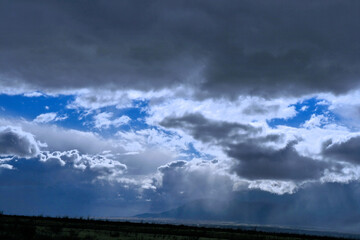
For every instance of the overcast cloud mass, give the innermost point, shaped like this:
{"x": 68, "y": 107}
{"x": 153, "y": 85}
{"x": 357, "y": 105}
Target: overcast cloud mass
{"x": 119, "y": 108}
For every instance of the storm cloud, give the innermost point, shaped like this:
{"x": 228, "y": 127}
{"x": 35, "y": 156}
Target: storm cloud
{"x": 207, "y": 130}
{"x": 249, "y": 147}
{"x": 347, "y": 151}
{"x": 218, "y": 48}
{"x": 259, "y": 162}
{"x": 14, "y": 141}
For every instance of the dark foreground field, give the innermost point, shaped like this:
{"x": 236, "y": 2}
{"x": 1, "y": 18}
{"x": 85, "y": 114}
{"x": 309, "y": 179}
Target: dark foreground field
{"x": 21, "y": 227}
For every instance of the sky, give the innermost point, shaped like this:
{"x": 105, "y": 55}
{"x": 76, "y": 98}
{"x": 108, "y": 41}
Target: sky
{"x": 118, "y": 108}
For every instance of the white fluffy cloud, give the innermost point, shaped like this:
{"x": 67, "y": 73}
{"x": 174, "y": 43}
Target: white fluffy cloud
{"x": 315, "y": 121}
{"x": 102, "y": 164}
{"x": 278, "y": 187}
{"x": 49, "y": 117}
{"x": 95, "y": 99}
{"x": 243, "y": 109}
{"x": 106, "y": 120}
{"x": 139, "y": 140}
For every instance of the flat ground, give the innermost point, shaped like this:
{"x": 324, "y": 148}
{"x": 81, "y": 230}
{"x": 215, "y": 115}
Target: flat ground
{"x": 21, "y": 227}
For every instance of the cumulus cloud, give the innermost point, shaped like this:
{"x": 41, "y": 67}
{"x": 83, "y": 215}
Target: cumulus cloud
{"x": 259, "y": 162}
{"x": 19, "y": 144}
{"x": 109, "y": 159}
{"x": 253, "y": 151}
{"x": 64, "y": 139}
{"x": 234, "y": 47}
{"x": 49, "y": 117}
{"x": 207, "y": 130}
{"x": 249, "y": 151}
{"x": 105, "y": 167}
{"x": 277, "y": 187}
{"x": 15, "y": 141}
{"x": 277, "y": 160}
{"x": 177, "y": 180}
{"x": 242, "y": 109}
{"x": 345, "y": 106}
{"x": 103, "y": 120}
{"x": 316, "y": 121}
{"x": 143, "y": 151}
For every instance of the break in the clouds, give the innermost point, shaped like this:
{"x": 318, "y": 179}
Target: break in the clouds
{"x": 112, "y": 108}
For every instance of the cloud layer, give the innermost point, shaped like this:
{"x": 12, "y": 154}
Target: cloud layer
{"x": 219, "y": 48}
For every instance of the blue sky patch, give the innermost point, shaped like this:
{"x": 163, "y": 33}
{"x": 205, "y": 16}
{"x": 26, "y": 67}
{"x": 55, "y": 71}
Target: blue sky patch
{"x": 30, "y": 107}
{"x": 305, "y": 109}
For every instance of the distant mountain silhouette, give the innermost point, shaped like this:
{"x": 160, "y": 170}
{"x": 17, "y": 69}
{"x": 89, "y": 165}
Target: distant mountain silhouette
{"x": 205, "y": 209}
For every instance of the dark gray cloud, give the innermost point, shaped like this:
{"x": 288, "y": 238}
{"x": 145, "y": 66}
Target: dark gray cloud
{"x": 246, "y": 144}
{"x": 347, "y": 151}
{"x": 255, "y": 109}
{"x": 258, "y": 162}
{"x": 209, "y": 131}
{"x": 14, "y": 141}
{"x": 253, "y": 47}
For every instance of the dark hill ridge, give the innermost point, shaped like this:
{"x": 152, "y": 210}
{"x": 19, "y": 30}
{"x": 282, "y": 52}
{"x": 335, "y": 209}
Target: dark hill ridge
{"x": 41, "y": 228}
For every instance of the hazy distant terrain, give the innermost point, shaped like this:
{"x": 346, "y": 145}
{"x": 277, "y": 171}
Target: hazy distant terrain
{"x": 261, "y": 208}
